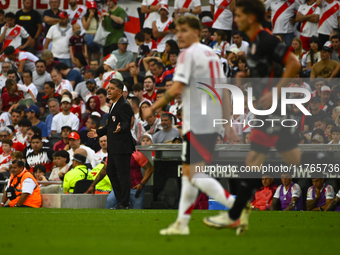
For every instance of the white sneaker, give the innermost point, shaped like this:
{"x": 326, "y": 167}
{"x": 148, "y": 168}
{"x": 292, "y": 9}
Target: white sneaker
{"x": 244, "y": 220}
{"x": 221, "y": 221}
{"x": 175, "y": 229}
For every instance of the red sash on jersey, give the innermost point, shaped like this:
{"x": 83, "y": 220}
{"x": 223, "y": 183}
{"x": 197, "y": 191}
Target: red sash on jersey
{"x": 77, "y": 15}
{"x": 311, "y": 10}
{"x": 224, "y": 5}
{"x": 328, "y": 13}
{"x": 165, "y": 29}
{"x": 187, "y": 3}
{"x": 281, "y": 10}
{"x": 15, "y": 32}
{"x": 154, "y": 3}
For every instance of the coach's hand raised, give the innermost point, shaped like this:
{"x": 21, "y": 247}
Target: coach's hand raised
{"x": 117, "y": 129}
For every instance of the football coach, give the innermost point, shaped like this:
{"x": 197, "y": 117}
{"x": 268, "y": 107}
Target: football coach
{"x": 121, "y": 144}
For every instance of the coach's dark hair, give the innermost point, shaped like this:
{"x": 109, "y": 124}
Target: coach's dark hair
{"x": 19, "y": 162}
{"x": 40, "y": 61}
{"x": 192, "y": 22}
{"x": 118, "y": 83}
{"x": 253, "y": 7}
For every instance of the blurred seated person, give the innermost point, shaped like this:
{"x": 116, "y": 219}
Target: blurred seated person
{"x": 28, "y": 195}
{"x": 319, "y": 195}
{"x": 78, "y": 173}
{"x": 102, "y": 153}
{"x": 137, "y": 90}
{"x": 124, "y": 57}
{"x": 65, "y": 132}
{"x": 168, "y": 133}
{"x": 47, "y": 56}
{"x": 134, "y": 77}
{"x": 334, "y": 203}
{"x": 177, "y": 140}
{"x": 264, "y": 195}
{"x": 81, "y": 63}
{"x": 73, "y": 76}
{"x": 54, "y": 109}
{"x": 49, "y": 90}
{"x": 93, "y": 122}
{"x": 60, "y": 159}
{"x": 39, "y": 172}
{"x": 92, "y": 105}
{"x": 24, "y": 124}
{"x": 5, "y": 156}
{"x": 288, "y": 195}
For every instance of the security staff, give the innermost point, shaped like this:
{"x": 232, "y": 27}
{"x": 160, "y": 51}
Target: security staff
{"x": 22, "y": 190}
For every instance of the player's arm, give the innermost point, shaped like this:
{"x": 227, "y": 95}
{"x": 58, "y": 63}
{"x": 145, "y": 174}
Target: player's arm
{"x": 292, "y": 204}
{"x": 332, "y": 204}
{"x": 292, "y": 69}
{"x": 274, "y": 204}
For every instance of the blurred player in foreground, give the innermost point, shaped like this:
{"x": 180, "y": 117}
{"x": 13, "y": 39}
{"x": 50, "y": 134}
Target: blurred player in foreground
{"x": 198, "y": 67}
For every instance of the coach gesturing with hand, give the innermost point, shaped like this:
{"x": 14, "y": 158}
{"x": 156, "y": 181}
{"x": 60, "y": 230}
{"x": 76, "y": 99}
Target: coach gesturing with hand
{"x": 120, "y": 143}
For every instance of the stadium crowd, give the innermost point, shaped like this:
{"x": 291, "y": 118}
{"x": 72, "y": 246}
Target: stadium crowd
{"x": 52, "y": 96}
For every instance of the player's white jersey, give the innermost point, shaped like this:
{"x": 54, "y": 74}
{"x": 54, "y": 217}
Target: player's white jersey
{"x": 151, "y": 17}
{"x": 76, "y": 16}
{"x": 223, "y": 17}
{"x": 64, "y": 84}
{"x": 190, "y": 4}
{"x": 329, "y": 17}
{"x": 282, "y": 11}
{"x": 308, "y": 29}
{"x": 200, "y": 69}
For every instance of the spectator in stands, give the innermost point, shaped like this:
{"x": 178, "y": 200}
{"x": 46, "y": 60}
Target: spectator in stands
{"x": 47, "y": 56}
{"x": 325, "y": 67}
{"x": 297, "y": 46}
{"x": 206, "y": 37}
{"x": 328, "y": 20}
{"x": 222, "y": 20}
{"x": 143, "y": 50}
{"x": 5, "y": 67}
{"x": 40, "y": 76}
{"x": 90, "y": 23}
{"x": 134, "y": 102}
{"x": 77, "y": 43}
{"x": 173, "y": 55}
{"x": 5, "y": 156}
{"x": 94, "y": 64}
{"x": 21, "y": 60}
{"x": 137, "y": 90}
{"x": 109, "y": 65}
{"x": 2, "y": 22}
{"x": 39, "y": 172}
{"x": 151, "y": 8}
{"x": 60, "y": 159}
{"x": 327, "y": 105}
{"x": 71, "y": 75}
{"x": 123, "y": 56}
{"x": 102, "y": 95}
{"x": 232, "y": 57}
{"x": 5, "y": 117}
{"x": 60, "y": 145}
{"x": 239, "y": 43}
{"x": 61, "y": 85}
{"x": 178, "y": 105}
{"x": 264, "y": 196}
{"x": 168, "y": 133}
{"x": 152, "y": 125}
{"x": 316, "y": 112}
{"x": 79, "y": 172}
{"x": 287, "y": 196}
{"x": 51, "y": 16}
{"x": 319, "y": 195}
{"x": 330, "y": 124}
{"x": 27, "y": 79}
{"x": 148, "y": 41}
{"x": 76, "y": 12}
{"x": 157, "y": 71}
{"x": 92, "y": 105}
{"x": 81, "y": 87}
{"x": 15, "y": 118}
{"x": 102, "y": 153}
{"x": 15, "y": 93}
{"x": 160, "y": 28}
{"x": 92, "y": 87}
{"x": 54, "y": 109}
{"x": 150, "y": 89}
{"x": 29, "y": 194}
{"x": 334, "y": 203}
{"x": 93, "y": 122}
{"x": 113, "y": 22}
{"x": 336, "y": 115}
{"x": 313, "y": 55}
{"x": 24, "y": 124}
{"x": 30, "y": 20}
{"x": 49, "y": 88}
{"x": 221, "y": 41}
{"x": 81, "y": 63}
{"x": 60, "y": 34}
{"x": 74, "y": 144}
{"x": 33, "y": 114}
{"x": 39, "y": 155}
{"x": 183, "y": 7}
{"x": 168, "y": 83}
{"x": 320, "y": 123}
{"x": 170, "y": 45}
{"x": 146, "y": 139}
{"x": 10, "y": 28}
{"x": 335, "y": 42}
{"x": 335, "y": 134}
{"x": 65, "y": 117}
{"x": 308, "y": 14}
{"x": 134, "y": 77}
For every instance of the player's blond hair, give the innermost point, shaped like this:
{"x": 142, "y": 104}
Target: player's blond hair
{"x": 192, "y": 22}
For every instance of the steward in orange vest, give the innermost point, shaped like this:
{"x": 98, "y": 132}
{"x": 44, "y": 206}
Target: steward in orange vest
{"x": 22, "y": 189}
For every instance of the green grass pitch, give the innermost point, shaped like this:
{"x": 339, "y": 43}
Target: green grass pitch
{"x": 99, "y": 231}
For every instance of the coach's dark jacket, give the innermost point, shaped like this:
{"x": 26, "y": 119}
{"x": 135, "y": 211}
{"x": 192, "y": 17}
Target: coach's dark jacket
{"x": 122, "y": 142}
